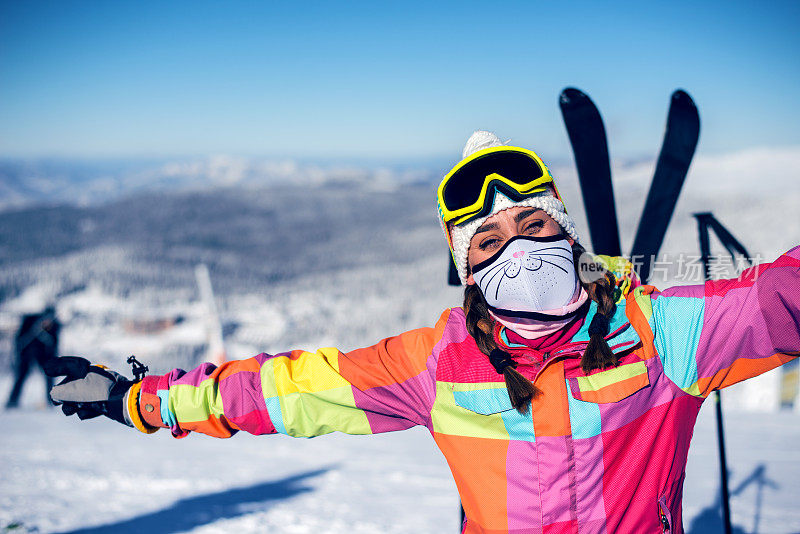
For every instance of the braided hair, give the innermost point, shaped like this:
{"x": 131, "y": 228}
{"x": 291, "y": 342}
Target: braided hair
{"x": 597, "y": 355}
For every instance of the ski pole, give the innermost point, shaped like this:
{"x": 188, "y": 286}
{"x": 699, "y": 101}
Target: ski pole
{"x": 723, "y": 465}
{"x": 706, "y": 222}
{"x": 703, "y": 220}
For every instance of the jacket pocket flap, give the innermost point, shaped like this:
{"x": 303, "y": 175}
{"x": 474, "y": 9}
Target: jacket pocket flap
{"x": 485, "y": 399}
{"x": 611, "y": 385}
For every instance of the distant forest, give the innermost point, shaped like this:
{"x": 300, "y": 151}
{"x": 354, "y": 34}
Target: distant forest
{"x": 246, "y": 236}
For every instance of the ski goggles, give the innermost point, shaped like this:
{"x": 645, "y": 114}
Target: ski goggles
{"x": 467, "y": 192}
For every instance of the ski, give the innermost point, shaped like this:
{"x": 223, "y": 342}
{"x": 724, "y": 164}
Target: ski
{"x": 452, "y": 272}
{"x": 587, "y": 135}
{"x": 680, "y": 141}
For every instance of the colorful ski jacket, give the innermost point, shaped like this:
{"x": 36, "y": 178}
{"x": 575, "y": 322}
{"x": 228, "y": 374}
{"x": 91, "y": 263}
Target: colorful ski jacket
{"x": 603, "y": 451}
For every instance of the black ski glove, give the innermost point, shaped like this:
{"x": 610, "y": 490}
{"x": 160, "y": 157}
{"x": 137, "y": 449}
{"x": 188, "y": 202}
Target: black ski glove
{"x": 88, "y": 390}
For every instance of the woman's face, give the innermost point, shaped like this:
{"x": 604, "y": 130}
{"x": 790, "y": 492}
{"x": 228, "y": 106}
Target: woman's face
{"x": 502, "y": 226}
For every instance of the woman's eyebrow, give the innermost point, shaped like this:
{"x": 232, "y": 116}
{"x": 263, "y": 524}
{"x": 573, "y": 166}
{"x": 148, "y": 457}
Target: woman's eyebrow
{"x": 524, "y": 214}
{"x": 486, "y": 227}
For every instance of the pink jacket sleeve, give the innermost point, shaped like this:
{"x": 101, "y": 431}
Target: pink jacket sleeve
{"x": 388, "y": 386}
{"x": 713, "y": 335}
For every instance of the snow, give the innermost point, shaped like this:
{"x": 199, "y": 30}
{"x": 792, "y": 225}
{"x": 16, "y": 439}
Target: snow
{"x": 764, "y": 472}
{"x": 371, "y": 484}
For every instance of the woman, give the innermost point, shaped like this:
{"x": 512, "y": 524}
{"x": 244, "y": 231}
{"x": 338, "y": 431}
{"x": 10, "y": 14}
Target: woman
{"x": 561, "y": 402}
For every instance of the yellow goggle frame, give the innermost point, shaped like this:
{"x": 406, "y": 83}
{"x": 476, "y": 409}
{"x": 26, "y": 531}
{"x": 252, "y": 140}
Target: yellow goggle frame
{"x": 490, "y": 183}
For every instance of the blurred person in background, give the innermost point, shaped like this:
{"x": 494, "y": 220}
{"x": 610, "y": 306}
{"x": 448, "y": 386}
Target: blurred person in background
{"x": 562, "y": 393}
{"x": 36, "y": 342}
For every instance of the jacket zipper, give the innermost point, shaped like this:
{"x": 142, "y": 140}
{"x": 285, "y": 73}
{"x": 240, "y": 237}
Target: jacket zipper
{"x": 664, "y": 523}
{"x": 664, "y": 515}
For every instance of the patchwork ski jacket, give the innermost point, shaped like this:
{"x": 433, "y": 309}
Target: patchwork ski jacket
{"x": 603, "y": 451}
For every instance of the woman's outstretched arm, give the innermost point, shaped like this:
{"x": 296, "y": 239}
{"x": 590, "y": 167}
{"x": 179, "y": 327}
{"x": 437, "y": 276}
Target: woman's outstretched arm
{"x": 388, "y": 386}
{"x": 713, "y": 335}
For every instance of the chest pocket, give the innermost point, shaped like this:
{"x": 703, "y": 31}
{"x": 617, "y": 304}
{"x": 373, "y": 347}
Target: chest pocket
{"x": 489, "y": 413}
{"x": 481, "y": 399}
{"x": 611, "y": 385}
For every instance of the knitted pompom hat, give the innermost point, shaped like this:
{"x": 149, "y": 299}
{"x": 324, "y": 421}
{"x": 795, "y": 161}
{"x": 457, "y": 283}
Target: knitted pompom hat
{"x": 459, "y": 236}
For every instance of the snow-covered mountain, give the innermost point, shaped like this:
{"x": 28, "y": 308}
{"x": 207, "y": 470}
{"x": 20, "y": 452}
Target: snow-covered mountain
{"x": 85, "y": 182}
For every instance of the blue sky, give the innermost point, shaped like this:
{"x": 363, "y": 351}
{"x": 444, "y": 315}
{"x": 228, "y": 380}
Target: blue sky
{"x": 385, "y": 80}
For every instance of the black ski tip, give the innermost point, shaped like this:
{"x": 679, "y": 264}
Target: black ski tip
{"x": 681, "y": 97}
{"x": 571, "y": 96}
{"x": 682, "y": 104}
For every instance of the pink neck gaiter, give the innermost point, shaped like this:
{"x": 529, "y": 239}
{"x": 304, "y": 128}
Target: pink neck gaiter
{"x": 534, "y": 328}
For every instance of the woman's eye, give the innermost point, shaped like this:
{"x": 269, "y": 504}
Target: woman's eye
{"x": 489, "y": 243}
{"x": 533, "y": 227}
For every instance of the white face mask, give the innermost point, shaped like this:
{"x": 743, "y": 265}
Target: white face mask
{"x": 527, "y": 276}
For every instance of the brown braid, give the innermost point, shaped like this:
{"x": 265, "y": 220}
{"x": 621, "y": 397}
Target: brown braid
{"x": 480, "y": 326}
{"x": 597, "y": 355}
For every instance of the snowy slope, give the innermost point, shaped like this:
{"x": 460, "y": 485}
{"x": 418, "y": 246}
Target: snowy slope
{"x": 105, "y": 476}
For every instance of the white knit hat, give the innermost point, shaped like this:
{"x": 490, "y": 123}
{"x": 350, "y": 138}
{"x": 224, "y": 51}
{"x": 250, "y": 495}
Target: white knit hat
{"x": 547, "y": 201}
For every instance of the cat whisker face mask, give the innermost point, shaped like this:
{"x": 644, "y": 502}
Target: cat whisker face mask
{"x": 528, "y": 276}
